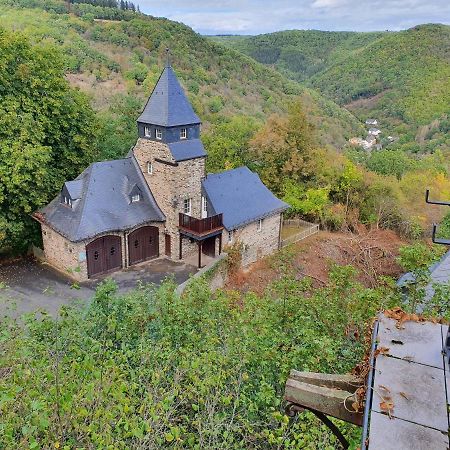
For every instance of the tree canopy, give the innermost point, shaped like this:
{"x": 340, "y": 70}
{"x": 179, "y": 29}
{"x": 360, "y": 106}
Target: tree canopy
{"x": 46, "y": 134}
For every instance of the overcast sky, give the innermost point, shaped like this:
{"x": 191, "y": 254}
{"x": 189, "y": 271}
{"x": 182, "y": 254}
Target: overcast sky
{"x": 262, "y": 16}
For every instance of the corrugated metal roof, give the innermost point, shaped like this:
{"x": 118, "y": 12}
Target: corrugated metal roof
{"x": 241, "y": 196}
{"x": 168, "y": 105}
{"x": 187, "y": 149}
{"x": 104, "y": 204}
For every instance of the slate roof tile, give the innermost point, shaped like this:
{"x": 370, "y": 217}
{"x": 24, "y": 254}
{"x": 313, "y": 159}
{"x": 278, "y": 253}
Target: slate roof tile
{"x": 168, "y": 105}
{"x": 241, "y": 196}
{"x": 104, "y": 204}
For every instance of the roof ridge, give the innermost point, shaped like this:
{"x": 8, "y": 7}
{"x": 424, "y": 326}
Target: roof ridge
{"x": 83, "y": 197}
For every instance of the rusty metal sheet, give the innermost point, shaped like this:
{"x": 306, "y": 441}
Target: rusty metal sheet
{"x": 420, "y": 342}
{"x": 418, "y": 391}
{"x": 397, "y": 434}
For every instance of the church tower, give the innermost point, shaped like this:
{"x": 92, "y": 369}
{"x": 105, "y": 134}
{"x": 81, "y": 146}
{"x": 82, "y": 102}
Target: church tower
{"x": 171, "y": 155}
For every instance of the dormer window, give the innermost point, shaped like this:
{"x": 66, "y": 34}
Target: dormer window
{"x": 158, "y": 133}
{"x": 147, "y": 132}
{"x": 150, "y": 168}
{"x": 67, "y": 200}
{"x": 135, "y": 194}
{"x": 183, "y": 133}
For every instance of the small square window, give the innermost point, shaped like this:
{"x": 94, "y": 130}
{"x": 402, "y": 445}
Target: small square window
{"x": 187, "y": 206}
{"x": 147, "y": 132}
{"x": 183, "y": 133}
{"x": 135, "y": 198}
{"x": 259, "y": 225}
{"x": 230, "y": 236}
{"x": 149, "y": 168}
{"x": 158, "y": 133}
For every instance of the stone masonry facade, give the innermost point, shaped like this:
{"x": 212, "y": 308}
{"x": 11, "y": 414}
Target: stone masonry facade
{"x": 70, "y": 257}
{"x": 256, "y": 244}
{"x": 170, "y": 184}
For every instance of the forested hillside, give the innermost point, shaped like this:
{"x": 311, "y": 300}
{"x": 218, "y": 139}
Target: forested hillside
{"x": 400, "y": 78}
{"x": 300, "y": 54}
{"x": 117, "y": 63}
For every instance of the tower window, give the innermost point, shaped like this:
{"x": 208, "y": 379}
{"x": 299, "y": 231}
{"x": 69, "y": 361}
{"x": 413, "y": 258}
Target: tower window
{"x": 147, "y": 132}
{"x": 135, "y": 198}
{"x": 158, "y": 133}
{"x": 183, "y": 133}
{"x": 149, "y": 168}
{"x": 187, "y": 206}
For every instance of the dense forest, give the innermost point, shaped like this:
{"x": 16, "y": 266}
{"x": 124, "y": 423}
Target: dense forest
{"x": 400, "y": 78}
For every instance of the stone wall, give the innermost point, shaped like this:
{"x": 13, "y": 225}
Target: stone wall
{"x": 170, "y": 185}
{"x": 257, "y": 243}
{"x": 66, "y": 256}
{"x": 70, "y": 257}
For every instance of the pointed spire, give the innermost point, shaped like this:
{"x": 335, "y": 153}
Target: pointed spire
{"x": 168, "y": 105}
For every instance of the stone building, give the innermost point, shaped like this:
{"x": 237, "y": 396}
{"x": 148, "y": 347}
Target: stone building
{"x": 158, "y": 200}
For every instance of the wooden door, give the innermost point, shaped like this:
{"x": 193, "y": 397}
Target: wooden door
{"x": 168, "y": 245}
{"x": 209, "y": 247}
{"x": 143, "y": 244}
{"x": 104, "y": 255}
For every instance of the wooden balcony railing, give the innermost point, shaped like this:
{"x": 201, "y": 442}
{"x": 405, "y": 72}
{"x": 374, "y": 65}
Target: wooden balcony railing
{"x": 200, "y": 226}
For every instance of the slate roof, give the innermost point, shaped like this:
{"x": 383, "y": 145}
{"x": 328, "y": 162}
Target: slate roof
{"x": 187, "y": 149}
{"x": 168, "y": 105}
{"x": 241, "y": 196}
{"x": 104, "y": 202}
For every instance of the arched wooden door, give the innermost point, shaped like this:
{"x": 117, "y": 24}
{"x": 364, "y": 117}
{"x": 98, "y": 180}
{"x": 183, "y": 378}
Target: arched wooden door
{"x": 104, "y": 255}
{"x": 143, "y": 244}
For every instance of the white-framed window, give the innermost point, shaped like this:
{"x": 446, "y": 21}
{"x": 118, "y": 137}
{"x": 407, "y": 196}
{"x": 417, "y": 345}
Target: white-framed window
{"x": 147, "y": 132}
{"x": 259, "y": 225}
{"x": 68, "y": 201}
{"x": 135, "y": 198}
{"x": 230, "y": 236}
{"x": 187, "y": 206}
{"x": 183, "y": 133}
{"x": 158, "y": 133}
{"x": 204, "y": 207}
{"x": 149, "y": 168}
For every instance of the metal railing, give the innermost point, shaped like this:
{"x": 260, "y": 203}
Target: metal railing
{"x": 309, "y": 230}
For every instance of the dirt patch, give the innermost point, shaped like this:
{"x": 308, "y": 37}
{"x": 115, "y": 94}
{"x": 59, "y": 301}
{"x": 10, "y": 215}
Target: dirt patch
{"x": 373, "y": 253}
{"x": 366, "y": 103}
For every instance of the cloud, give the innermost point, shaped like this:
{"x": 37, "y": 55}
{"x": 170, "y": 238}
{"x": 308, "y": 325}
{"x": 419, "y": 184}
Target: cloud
{"x": 263, "y": 16}
{"x": 327, "y": 3}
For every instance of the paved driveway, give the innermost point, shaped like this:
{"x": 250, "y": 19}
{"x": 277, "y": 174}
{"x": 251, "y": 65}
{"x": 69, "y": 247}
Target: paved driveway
{"x": 28, "y": 285}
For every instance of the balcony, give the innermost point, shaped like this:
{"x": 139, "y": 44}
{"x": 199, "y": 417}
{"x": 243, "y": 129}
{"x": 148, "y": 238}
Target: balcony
{"x": 200, "y": 228}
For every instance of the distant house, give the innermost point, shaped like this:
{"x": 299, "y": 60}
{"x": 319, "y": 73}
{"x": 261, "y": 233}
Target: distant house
{"x": 371, "y": 122}
{"x": 390, "y": 138}
{"x": 355, "y": 141}
{"x": 374, "y": 131}
{"x": 158, "y": 200}
{"x": 371, "y": 139}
